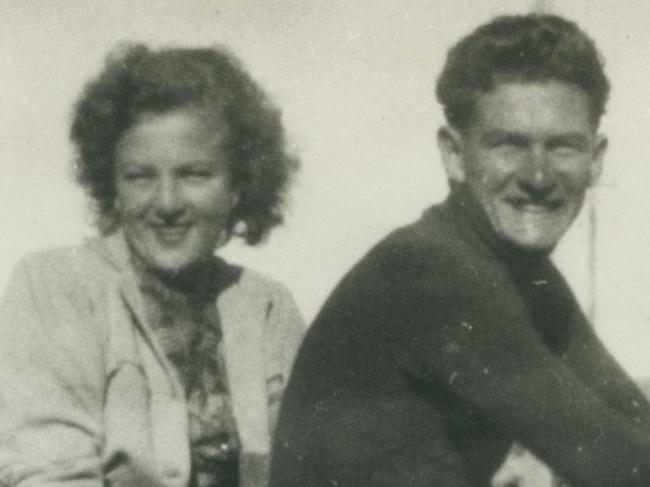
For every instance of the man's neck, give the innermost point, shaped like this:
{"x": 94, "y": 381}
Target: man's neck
{"x": 471, "y": 218}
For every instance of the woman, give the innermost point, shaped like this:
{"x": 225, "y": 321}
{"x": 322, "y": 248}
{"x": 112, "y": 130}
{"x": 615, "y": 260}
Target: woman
{"x": 140, "y": 358}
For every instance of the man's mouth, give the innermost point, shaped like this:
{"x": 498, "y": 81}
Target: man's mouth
{"x": 534, "y": 206}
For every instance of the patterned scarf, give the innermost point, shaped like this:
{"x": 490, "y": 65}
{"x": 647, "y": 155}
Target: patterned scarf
{"x": 185, "y": 320}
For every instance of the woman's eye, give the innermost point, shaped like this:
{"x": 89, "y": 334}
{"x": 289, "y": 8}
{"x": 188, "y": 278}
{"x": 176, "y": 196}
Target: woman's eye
{"x": 198, "y": 174}
{"x": 137, "y": 176}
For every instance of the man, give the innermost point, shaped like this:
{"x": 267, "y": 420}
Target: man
{"x": 456, "y": 336}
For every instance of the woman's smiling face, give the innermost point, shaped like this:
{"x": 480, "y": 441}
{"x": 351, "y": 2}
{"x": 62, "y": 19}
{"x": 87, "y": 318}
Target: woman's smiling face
{"x": 174, "y": 196}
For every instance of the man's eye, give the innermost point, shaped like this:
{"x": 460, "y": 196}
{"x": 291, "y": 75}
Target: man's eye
{"x": 510, "y": 143}
{"x": 565, "y": 150}
{"x": 507, "y": 143}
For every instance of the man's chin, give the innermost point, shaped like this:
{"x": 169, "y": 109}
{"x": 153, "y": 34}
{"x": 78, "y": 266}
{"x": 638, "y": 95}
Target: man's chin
{"x": 538, "y": 233}
{"x": 538, "y": 244}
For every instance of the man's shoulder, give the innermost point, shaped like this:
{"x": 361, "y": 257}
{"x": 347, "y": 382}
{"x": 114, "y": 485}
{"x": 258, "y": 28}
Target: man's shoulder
{"x": 431, "y": 254}
{"x": 433, "y": 236}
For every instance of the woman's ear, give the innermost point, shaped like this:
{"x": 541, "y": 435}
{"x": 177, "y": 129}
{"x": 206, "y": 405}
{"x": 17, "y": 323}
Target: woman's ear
{"x": 450, "y": 143}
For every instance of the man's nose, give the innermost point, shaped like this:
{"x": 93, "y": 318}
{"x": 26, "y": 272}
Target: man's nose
{"x": 537, "y": 176}
{"x": 168, "y": 200}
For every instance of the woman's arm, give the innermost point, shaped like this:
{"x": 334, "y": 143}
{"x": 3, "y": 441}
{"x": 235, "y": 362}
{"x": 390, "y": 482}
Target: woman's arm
{"x": 284, "y": 333}
{"x": 51, "y": 378}
{"x": 286, "y": 329}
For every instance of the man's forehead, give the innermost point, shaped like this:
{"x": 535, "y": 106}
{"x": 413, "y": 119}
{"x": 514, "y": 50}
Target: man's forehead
{"x": 521, "y": 106}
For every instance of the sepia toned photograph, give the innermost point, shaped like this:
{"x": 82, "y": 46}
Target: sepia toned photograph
{"x": 324, "y": 243}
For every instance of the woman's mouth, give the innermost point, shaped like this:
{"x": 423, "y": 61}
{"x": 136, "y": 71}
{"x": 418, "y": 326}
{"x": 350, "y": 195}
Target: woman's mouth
{"x": 171, "y": 234}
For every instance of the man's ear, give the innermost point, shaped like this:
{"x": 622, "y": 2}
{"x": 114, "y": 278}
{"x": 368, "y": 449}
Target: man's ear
{"x": 597, "y": 159}
{"x": 450, "y": 143}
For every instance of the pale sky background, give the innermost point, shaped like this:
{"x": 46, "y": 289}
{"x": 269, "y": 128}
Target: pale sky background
{"x": 355, "y": 82}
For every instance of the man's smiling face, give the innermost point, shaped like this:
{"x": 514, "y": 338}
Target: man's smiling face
{"x": 528, "y": 158}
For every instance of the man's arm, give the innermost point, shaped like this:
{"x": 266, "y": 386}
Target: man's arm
{"x": 471, "y": 333}
{"x": 595, "y": 366}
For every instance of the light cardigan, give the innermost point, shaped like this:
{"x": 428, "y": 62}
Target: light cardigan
{"x": 88, "y": 397}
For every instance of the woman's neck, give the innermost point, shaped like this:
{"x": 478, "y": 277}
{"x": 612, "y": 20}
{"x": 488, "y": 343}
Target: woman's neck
{"x": 200, "y": 280}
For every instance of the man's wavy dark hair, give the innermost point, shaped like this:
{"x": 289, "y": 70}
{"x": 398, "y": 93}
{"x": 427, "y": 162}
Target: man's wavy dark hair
{"x": 136, "y": 80}
{"x": 533, "y": 47}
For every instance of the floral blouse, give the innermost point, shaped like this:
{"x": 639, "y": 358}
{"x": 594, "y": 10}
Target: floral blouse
{"x": 185, "y": 320}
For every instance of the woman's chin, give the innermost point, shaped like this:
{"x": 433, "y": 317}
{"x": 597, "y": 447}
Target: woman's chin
{"x": 177, "y": 267}
{"x": 173, "y": 262}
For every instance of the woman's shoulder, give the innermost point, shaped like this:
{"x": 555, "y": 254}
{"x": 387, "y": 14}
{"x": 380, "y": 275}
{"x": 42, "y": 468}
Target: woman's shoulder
{"x": 253, "y": 284}
{"x": 64, "y": 274}
{"x": 254, "y": 293}
{"x": 55, "y": 289}
{"x": 68, "y": 263}
{"x": 259, "y": 303}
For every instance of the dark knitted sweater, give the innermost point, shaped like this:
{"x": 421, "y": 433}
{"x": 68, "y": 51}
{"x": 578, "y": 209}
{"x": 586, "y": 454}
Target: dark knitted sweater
{"x": 437, "y": 351}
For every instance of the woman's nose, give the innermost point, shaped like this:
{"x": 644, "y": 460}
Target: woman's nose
{"x": 168, "y": 201}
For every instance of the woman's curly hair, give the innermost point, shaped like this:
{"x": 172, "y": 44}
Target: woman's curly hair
{"x": 137, "y": 79}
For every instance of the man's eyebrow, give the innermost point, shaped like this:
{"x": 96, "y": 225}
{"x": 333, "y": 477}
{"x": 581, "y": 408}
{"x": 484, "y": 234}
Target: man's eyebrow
{"x": 514, "y": 135}
{"x": 500, "y": 134}
{"x": 574, "y": 139}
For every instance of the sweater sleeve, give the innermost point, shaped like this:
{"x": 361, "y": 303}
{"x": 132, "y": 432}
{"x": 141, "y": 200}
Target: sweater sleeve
{"x": 468, "y": 331}
{"x": 50, "y": 384}
{"x": 591, "y": 361}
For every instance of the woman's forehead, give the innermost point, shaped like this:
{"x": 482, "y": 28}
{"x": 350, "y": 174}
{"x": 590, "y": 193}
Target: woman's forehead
{"x": 183, "y": 134}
